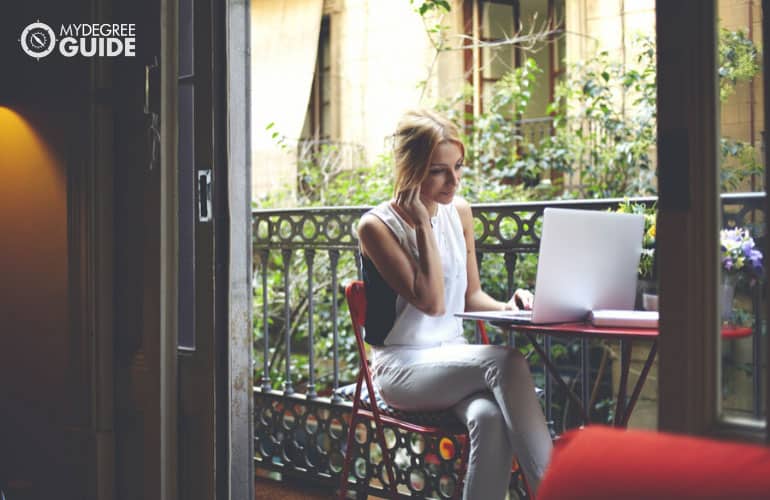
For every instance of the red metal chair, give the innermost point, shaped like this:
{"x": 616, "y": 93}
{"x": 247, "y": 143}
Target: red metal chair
{"x": 365, "y": 412}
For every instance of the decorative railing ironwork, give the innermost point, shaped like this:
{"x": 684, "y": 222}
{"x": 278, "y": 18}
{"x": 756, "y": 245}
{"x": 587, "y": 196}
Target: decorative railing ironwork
{"x": 303, "y": 258}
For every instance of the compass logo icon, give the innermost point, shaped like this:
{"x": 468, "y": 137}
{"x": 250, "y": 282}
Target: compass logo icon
{"x": 38, "y": 40}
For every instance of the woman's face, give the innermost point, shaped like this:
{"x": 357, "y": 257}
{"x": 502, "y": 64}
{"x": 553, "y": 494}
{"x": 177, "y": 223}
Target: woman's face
{"x": 444, "y": 172}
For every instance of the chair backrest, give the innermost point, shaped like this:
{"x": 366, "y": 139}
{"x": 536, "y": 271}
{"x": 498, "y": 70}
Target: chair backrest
{"x": 355, "y": 294}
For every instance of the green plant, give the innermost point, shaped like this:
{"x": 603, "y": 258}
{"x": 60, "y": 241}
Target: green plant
{"x": 603, "y": 127}
{"x": 605, "y": 121}
{"x": 423, "y": 7}
{"x": 738, "y": 60}
{"x": 647, "y": 259}
{"x": 507, "y": 163}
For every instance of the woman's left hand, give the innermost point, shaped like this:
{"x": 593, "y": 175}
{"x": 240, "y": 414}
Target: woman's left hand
{"x": 522, "y": 299}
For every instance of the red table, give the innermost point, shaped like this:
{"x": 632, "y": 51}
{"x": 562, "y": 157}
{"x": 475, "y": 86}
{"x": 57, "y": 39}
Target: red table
{"x": 584, "y": 330}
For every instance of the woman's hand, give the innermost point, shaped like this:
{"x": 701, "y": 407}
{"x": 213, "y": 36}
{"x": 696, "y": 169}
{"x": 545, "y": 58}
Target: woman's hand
{"x": 522, "y": 299}
{"x": 410, "y": 204}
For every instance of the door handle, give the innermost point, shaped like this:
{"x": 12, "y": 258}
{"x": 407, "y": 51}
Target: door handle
{"x": 204, "y": 195}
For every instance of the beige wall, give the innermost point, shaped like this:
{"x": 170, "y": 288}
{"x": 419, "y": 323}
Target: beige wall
{"x": 596, "y": 25}
{"x": 381, "y": 53}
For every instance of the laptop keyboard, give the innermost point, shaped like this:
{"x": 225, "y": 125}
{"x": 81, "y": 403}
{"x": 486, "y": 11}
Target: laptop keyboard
{"x": 517, "y": 314}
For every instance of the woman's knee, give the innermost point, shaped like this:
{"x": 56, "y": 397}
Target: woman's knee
{"x": 484, "y": 415}
{"x": 508, "y": 363}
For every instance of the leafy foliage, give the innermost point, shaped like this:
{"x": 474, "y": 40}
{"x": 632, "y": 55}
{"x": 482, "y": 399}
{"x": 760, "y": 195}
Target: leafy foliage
{"x": 605, "y": 120}
{"x": 647, "y": 259}
{"x": 738, "y": 60}
{"x": 424, "y": 7}
{"x": 603, "y": 129}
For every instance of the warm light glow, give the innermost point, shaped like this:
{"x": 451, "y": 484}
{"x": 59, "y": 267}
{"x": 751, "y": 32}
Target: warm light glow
{"x": 20, "y": 143}
{"x": 29, "y": 169}
{"x": 34, "y": 338}
{"x": 33, "y": 224}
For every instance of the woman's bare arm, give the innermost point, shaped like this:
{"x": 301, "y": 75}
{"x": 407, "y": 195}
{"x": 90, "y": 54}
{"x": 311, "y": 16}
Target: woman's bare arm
{"x": 420, "y": 282}
{"x": 475, "y": 298}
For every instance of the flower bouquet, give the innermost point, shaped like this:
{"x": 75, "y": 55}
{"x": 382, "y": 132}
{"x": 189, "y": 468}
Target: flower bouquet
{"x": 741, "y": 262}
{"x": 739, "y": 255}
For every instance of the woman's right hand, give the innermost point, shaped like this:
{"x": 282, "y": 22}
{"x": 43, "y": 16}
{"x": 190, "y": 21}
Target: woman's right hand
{"x": 409, "y": 203}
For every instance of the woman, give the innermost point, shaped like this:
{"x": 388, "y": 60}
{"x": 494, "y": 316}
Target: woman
{"x": 419, "y": 269}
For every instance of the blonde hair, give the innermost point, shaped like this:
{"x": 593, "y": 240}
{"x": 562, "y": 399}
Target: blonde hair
{"x": 418, "y": 134}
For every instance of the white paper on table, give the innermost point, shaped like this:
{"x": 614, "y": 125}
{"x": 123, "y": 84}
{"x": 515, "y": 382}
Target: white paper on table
{"x": 633, "y": 319}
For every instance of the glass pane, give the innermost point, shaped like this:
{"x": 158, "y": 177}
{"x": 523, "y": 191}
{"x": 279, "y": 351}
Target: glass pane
{"x": 498, "y": 24}
{"x": 743, "y": 220}
{"x": 498, "y": 21}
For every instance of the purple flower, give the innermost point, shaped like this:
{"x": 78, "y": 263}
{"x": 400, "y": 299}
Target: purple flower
{"x": 748, "y": 247}
{"x": 739, "y": 253}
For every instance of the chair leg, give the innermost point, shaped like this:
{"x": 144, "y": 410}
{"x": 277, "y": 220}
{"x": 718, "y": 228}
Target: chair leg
{"x": 348, "y": 455}
{"x": 526, "y": 487}
{"x": 517, "y": 467}
{"x": 388, "y": 464}
{"x": 346, "y": 466}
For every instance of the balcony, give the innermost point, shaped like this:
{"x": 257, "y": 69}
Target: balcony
{"x": 304, "y": 347}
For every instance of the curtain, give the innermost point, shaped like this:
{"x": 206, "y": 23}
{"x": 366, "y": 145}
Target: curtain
{"x": 284, "y": 46}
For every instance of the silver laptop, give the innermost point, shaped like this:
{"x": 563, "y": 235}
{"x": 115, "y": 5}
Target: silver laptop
{"x": 588, "y": 261}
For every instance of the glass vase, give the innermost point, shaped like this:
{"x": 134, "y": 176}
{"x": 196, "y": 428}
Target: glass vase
{"x": 727, "y": 296}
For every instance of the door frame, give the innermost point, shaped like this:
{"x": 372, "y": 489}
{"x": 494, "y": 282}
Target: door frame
{"x": 239, "y": 345}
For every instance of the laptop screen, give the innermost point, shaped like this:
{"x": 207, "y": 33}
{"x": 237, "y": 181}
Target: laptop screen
{"x": 588, "y": 260}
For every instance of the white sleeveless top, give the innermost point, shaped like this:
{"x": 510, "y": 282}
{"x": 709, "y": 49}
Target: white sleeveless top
{"x": 412, "y": 327}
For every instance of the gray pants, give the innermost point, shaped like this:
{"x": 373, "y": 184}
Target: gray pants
{"x": 490, "y": 389}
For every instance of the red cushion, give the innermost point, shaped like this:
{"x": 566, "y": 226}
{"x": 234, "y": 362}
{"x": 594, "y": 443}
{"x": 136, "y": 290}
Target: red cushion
{"x": 605, "y": 463}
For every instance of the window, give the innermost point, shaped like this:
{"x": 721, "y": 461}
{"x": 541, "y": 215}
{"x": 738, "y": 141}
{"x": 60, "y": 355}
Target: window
{"x": 496, "y": 20}
{"x": 317, "y": 126}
